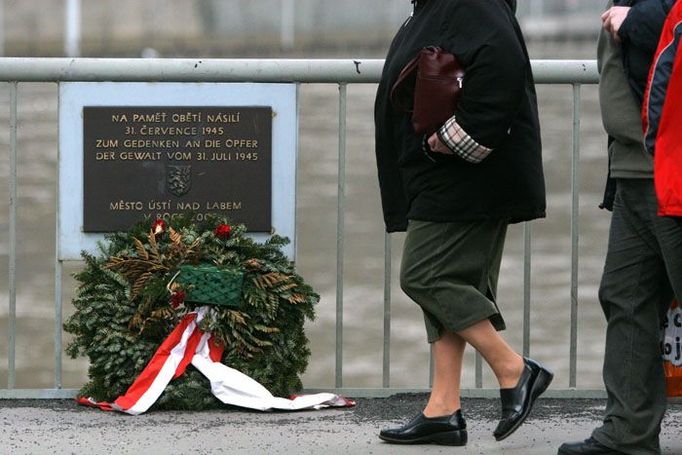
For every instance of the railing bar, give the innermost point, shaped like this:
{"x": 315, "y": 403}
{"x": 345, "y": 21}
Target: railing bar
{"x": 333, "y": 71}
{"x": 479, "y": 370}
{"x": 11, "y": 355}
{"x": 527, "y": 231}
{"x": 340, "y": 233}
{"x": 387, "y": 311}
{"x": 575, "y": 217}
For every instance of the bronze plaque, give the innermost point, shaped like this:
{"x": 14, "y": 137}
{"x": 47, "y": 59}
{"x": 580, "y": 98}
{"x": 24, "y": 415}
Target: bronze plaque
{"x": 156, "y": 162}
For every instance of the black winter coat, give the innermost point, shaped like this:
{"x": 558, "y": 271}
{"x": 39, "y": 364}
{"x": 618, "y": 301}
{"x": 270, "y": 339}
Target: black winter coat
{"x": 640, "y": 33}
{"x": 498, "y": 109}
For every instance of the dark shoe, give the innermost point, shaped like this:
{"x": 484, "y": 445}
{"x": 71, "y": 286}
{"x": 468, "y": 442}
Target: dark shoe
{"x": 446, "y": 430}
{"x": 587, "y": 447}
{"x": 518, "y": 401}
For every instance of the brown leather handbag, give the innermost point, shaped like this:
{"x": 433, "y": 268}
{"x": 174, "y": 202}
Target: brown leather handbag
{"x": 429, "y": 86}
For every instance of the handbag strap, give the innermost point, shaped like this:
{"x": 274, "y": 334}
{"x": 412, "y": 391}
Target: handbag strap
{"x": 400, "y": 99}
{"x": 402, "y": 92}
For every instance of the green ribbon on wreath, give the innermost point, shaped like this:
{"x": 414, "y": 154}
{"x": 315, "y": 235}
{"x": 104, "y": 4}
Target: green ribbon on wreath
{"x": 208, "y": 284}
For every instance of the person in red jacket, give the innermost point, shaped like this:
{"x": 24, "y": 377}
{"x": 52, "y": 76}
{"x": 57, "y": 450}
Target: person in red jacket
{"x": 662, "y": 114}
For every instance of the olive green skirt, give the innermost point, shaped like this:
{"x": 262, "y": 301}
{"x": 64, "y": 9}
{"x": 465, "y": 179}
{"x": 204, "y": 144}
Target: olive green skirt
{"x": 450, "y": 270}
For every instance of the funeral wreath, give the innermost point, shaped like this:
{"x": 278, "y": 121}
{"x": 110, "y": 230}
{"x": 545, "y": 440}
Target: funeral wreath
{"x": 144, "y": 281}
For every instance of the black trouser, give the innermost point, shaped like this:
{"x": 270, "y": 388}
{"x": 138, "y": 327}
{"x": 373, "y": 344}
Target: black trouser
{"x": 643, "y": 268}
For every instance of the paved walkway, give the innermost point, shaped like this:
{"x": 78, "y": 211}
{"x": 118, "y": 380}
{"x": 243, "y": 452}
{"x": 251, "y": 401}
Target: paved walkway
{"x": 61, "y": 427}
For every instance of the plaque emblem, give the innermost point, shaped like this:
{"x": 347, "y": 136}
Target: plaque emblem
{"x": 179, "y": 179}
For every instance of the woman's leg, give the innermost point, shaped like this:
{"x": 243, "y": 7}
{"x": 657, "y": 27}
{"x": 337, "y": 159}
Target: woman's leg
{"x": 441, "y": 422}
{"x": 448, "y": 354}
{"x": 504, "y": 361}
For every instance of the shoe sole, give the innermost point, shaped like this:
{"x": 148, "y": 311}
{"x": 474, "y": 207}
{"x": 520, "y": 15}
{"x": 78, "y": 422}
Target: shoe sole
{"x": 445, "y": 438}
{"x": 543, "y": 381}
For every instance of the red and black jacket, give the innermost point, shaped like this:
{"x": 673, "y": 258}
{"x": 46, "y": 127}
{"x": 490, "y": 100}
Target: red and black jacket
{"x": 662, "y": 116}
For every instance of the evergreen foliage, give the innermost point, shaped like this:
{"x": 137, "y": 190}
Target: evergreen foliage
{"x": 123, "y": 312}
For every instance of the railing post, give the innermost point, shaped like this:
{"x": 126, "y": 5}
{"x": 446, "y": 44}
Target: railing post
{"x": 575, "y": 233}
{"x": 11, "y": 354}
{"x": 386, "y": 380}
{"x": 341, "y": 206}
{"x": 527, "y": 238}
{"x": 58, "y": 324}
{"x": 478, "y": 366}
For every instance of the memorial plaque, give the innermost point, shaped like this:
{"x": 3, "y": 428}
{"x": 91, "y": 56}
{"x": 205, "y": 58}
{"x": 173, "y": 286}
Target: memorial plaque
{"x": 156, "y": 162}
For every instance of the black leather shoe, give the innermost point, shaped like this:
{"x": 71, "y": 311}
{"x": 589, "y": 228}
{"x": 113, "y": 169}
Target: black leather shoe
{"x": 518, "y": 401}
{"x": 446, "y": 430}
{"x": 587, "y": 447}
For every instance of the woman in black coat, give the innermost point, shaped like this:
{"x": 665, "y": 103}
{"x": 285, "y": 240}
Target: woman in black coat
{"x": 455, "y": 197}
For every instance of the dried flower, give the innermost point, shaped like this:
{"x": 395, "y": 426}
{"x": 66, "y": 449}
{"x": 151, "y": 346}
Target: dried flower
{"x": 177, "y": 299}
{"x": 158, "y": 227}
{"x": 223, "y": 231}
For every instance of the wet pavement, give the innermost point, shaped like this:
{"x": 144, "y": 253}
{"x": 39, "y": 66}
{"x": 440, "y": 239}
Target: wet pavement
{"x": 62, "y": 427}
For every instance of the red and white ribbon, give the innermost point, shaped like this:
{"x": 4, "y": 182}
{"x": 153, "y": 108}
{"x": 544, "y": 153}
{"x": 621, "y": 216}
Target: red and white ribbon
{"x": 188, "y": 344}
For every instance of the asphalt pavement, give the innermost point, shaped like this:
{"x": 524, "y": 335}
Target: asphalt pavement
{"x": 62, "y": 427}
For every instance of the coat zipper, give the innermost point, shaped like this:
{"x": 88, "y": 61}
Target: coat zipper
{"x": 415, "y": 5}
{"x": 410, "y": 17}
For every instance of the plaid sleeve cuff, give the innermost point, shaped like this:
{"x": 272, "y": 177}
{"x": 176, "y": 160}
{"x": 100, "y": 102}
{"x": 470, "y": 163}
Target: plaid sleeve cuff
{"x": 460, "y": 143}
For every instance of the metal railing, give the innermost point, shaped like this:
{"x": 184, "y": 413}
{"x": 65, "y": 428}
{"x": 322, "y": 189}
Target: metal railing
{"x": 341, "y": 72}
